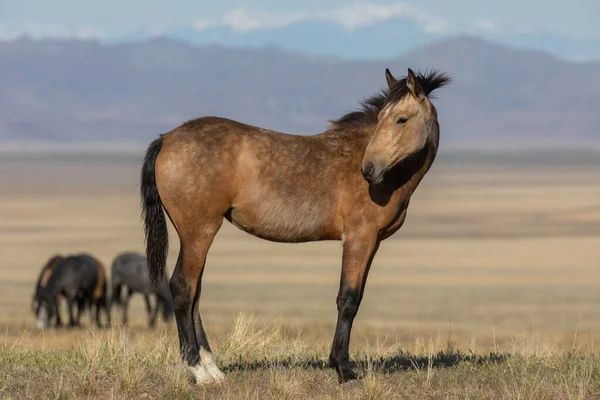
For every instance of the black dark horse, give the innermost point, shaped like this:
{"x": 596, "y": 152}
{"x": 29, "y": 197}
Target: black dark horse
{"x": 42, "y": 281}
{"x": 129, "y": 272}
{"x": 81, "y": 280}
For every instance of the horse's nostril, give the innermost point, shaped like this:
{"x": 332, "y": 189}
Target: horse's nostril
{"x": 367, "y": 169}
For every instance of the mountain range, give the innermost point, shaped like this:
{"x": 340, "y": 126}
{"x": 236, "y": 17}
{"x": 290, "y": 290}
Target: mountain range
{"x": 368, "y": 42}
{"x": 85, "y": 91}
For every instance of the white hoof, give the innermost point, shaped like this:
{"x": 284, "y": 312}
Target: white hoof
{"x": 201, "y": 375}
{"x": 208, "y": 360}
{"x": 216, "y": 373}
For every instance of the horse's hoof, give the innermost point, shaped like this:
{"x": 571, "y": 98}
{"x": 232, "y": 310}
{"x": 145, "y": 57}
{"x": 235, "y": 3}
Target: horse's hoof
{"x": 217, "y": 375}
{"x": 201, "y": 375}
{"x": 345, "y": 374}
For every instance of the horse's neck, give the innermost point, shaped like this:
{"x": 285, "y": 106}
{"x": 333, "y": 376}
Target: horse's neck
{"x": 424, "y": 163}
{"x": 50, "y": 291}
{"x": 404, "y": 181}
{"x": 54, "y": 285}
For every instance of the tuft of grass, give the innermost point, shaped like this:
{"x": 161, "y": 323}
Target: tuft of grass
{"x": 284, "y": 384}
{"x": 178, "y": 385}
{"x": 374, "y": 387}
{"x": 251, "y": 338}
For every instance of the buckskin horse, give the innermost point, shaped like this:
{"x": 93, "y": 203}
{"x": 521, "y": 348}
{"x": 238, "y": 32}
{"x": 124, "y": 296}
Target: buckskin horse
{"x": 352, "y": 183}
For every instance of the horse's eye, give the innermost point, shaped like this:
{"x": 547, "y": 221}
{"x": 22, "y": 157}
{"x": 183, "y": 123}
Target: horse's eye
{"x": 401, "y": 120}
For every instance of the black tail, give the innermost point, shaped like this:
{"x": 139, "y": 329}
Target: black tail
{"x": 155, "y": 225}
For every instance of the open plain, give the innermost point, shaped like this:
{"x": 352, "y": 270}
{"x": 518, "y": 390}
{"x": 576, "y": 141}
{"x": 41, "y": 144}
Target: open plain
{"x": 490, "y": 290}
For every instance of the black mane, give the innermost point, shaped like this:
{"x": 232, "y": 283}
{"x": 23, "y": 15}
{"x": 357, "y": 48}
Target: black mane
{"x": 370, "y": 107}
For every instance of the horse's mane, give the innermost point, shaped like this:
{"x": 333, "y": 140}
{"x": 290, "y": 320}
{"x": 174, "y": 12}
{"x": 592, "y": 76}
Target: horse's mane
{"x": 371, "y": 106}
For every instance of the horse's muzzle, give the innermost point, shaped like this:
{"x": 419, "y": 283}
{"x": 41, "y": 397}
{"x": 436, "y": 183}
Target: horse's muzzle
{"x": 371, "y": 173}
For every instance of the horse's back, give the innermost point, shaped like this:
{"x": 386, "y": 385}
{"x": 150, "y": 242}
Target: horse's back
{"x": 130, "y": 269}
{"x": 78, "y": 272}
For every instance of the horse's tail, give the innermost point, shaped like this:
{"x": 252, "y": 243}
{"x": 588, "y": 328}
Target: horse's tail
{"x": 100, "y": 289}
{"x": 155, "y": 225}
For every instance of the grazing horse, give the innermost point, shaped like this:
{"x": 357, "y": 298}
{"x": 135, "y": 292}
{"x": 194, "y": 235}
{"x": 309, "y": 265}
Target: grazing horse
{"x": 42, "y": 281}
{"x": 130, "y": 270}
{"x": 352, "y": 183}
{"x": 81, "y": 280}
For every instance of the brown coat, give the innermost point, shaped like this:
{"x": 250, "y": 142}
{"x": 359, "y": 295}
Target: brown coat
{"x": 352, "y": 182}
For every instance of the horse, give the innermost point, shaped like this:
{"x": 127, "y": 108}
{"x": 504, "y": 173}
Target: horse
{"x": 42, "y": 281}
{"x": 81, "y": 280}
{"x": 130, "y": 270}
{"x": 352, "y": 182}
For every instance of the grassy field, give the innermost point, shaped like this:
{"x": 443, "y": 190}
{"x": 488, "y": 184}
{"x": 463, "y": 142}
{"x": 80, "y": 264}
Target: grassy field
{"x": 491, "y": 290}
{"x": 273, "y": 361}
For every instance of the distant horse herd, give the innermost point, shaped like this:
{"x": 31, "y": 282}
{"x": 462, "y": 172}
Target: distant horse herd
{"x": 81, "y": 281}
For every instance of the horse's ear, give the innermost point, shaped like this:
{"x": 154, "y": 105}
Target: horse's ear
{"x": 413, "y": 85}
{"x": 391, "y": 81}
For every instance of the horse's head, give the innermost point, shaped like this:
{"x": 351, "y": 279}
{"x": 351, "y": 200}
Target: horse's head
{"x": 46, "y": 307}
{"x": 34, "y": 303}
{"x": 404, "y": 124}
{"x": 43, "y": 280}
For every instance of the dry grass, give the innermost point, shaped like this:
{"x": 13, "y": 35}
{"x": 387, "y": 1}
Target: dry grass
{"x": 266, "y": 361}
{"x": 493, "y": 261}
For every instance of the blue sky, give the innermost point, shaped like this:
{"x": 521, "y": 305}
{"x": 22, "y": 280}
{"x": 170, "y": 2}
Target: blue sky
{"x": 113, "y": 20}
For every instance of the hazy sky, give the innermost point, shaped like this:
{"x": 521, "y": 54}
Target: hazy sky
{"x": 111, "y": 19}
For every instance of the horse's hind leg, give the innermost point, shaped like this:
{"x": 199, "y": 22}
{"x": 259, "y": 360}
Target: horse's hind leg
{"x": 185, "y": 289}
{"x": 206, "y": 355}
{"x": 81, "y": 304}
{"x": 101, "y": 303}
{"x": 125, "y": 305}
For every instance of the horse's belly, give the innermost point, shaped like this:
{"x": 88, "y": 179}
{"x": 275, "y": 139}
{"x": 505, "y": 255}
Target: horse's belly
{"x": 283, "y": 223}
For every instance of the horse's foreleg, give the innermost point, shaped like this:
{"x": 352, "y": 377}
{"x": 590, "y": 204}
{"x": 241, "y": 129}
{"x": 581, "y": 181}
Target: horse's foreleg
{"x": 115, "y": 296}
{"x": 81, "y": 304}
{"x": 57, "y": 311}
{"x": 357, "y": 258}
{"x": 70, "y": 304}
{"x": 185, "y": 290}
{"x": 151, "y": 313}
{"x": 125, "y": 306}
